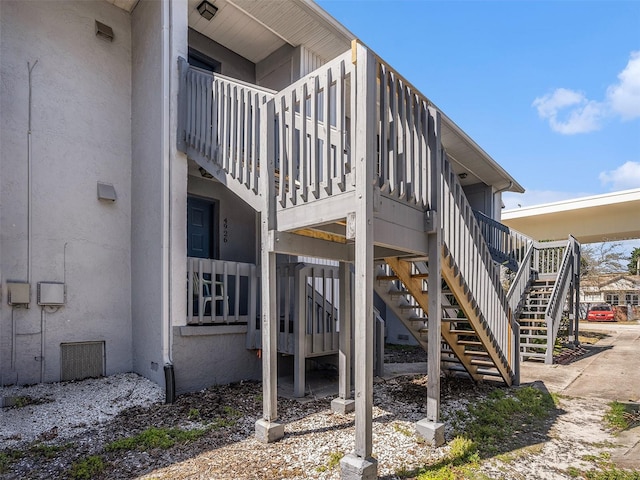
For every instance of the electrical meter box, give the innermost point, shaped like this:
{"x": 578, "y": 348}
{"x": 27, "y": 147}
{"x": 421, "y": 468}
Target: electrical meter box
{"x": 18, "y": 293}
{"x": 51, "y": 293}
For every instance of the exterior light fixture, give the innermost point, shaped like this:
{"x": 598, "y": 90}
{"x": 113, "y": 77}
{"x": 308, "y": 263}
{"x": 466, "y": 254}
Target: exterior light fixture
{"x": 207, "y": 10}
{"x": 463, "y": 175}
{"x": 204, "y": 173}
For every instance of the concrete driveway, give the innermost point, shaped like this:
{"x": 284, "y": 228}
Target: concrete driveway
{"x": 610, "y": 370}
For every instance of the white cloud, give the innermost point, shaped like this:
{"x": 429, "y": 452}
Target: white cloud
{"x": 624, "y": 177}
{"x": 624, "y": 97}
{"x": 583, "y": 115}
{"x": 570, "y": 112}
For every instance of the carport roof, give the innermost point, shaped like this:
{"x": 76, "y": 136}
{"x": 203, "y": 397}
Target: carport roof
{"x": 609, "y": 217}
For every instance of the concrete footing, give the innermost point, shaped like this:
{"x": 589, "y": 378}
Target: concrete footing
{"x": 340, "y": 405}
{"x": 432, "y": 432}
{"x": 353, "y": 467}
{"x": 267, "y": 432}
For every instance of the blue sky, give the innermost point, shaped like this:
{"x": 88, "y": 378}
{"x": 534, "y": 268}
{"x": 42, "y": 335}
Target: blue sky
{"x": 550, "y": 89}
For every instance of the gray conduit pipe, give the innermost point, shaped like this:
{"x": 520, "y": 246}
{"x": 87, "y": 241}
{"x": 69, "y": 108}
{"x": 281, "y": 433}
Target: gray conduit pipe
{"x": 42, "y": 342}
{"x": 30, "y": 69}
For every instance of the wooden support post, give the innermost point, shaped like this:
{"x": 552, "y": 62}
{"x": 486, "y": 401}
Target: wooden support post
{"x": 344, "y": 403}
{"x": 267, "y": 429}
{"x": 360, "y": 464}
{"x": 431, "y": 428}
{"x": 299, "y": 333}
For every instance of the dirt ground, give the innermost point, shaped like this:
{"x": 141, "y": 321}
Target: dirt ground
{"x": 573, "y": 440}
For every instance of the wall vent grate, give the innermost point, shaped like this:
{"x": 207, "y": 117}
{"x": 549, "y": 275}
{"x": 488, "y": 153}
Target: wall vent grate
{"x": 81, "y": 360}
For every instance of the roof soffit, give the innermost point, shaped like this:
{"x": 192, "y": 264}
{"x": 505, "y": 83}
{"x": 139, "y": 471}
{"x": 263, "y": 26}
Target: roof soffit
{"x": 255, "y": 29}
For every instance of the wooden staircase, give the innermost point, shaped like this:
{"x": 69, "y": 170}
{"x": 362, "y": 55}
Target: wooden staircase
{"x": 466, "y": 346}
{"x": 533, "y": 321}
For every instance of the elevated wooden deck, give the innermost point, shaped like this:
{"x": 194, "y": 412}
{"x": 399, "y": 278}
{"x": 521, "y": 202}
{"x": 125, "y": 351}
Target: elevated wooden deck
{"x": 347, "y": 164}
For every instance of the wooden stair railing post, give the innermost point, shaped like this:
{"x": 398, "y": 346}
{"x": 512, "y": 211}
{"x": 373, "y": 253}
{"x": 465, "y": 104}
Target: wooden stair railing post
{"x": 299, "y": 331}
{"x": 576, "y": 281}
{"x": 431, "y": 428}
{"x": 435, "y": 273}
{"x": 267, "y": 429}
{"x": 360, "y": 464}
{"x": 344, "y": 403}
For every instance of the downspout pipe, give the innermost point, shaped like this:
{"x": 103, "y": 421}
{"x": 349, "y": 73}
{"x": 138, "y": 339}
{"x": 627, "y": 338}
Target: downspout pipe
{"x": 167, "y": 158}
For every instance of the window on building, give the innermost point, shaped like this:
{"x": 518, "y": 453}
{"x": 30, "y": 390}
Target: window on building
{"x": 632, "y": 299}
{"x": 612, "y": 299}
{"x": 200, "y": 60}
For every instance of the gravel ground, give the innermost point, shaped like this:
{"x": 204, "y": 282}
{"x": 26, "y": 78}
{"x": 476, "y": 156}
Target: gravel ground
{"x": 63, "y": 410}
{"x": 78, "y": 419}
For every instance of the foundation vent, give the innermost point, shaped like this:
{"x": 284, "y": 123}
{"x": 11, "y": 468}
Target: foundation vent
{"x": 81, "y": 360}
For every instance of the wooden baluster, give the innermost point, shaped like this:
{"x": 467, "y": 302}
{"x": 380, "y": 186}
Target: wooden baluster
{"x": 341, "y": 127}
{"x": 402, "y": 137}
{"x": 208, "y": 113}
{"x": 383, "y": 147}
{"x": 327, "y": 172}
{"x": 303, "y": 156}
{"x": 282, "y": 190}
{"x": 225, "y": 127}
{"x": 314, "y": 183}
{"x": 393, "y": 136}
{"x": 291, "y": 151}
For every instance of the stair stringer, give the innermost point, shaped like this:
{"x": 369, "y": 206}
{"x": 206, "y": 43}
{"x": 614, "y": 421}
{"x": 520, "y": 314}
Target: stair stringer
{"x": 468, "y": 304}
{"x": 413, "y": 284}
{"x": 217, "y": 171}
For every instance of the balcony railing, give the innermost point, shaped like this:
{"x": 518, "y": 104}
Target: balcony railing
{"x": 307, "y": 294}
{"x": 508, "y": 247}
{"x": 219, "y": 291}
{"x": 464, "y": 240}
{"x": 566, "y": 272}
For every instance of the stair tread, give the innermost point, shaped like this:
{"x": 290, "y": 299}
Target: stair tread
{"x": 409, "y": 307}
{"x": 463, "y": 332}
{"x": 484, "y": 363}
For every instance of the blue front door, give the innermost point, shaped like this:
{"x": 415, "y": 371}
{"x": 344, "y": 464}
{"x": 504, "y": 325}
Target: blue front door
{"x": 200, "y": 228}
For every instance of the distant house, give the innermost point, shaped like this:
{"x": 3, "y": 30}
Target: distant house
{"x": 620, "y": 290}
{"x": 614, "y": 289}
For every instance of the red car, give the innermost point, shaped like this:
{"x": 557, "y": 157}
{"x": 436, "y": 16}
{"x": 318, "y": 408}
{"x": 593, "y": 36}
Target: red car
{"x": 601, "y": 313}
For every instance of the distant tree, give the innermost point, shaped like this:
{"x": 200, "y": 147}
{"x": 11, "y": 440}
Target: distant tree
{"x": 634, "y": 259}
{"x": 601, "y": 258}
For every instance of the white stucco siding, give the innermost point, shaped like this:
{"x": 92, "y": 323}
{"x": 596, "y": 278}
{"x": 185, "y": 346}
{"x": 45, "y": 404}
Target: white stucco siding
{"x": 81, "y": 134}
{"x": 159, "y": 184}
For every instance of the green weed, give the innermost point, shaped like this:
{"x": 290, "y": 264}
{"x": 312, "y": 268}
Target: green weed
{"x": 87, "y": 468}
{"x": 48, "y": 451}
{"x": 155, "y": 438}
{"x": 484, "y": 429}
{"x": 194, "y": 414}
{"x": 402, "y": 429}
{"x": 614, "y": 418}
{"x": 612, "y": 473}
{"x": 333, "y": 462}
{"x": 7, "y": 458}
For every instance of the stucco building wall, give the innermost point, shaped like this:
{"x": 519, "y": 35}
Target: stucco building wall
{"x": 81, "y": 135}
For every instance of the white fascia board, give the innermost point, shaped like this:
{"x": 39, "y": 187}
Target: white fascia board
{"x": 574, "y": 204}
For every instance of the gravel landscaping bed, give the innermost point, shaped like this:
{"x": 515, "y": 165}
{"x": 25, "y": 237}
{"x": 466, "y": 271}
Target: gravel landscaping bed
{"x": 64, "y": 430}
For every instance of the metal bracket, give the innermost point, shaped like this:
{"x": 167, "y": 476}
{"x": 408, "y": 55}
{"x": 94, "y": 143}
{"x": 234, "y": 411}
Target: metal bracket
{"x": 351, "y": 226}
{"x": 430, "y": 221}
